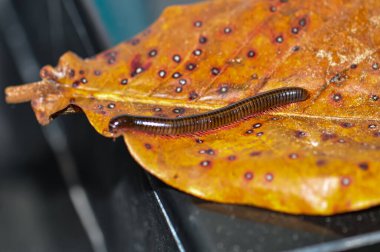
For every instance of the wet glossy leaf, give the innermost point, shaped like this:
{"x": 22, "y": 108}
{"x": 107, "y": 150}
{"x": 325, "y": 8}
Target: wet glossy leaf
{"x": 321, "y": 156}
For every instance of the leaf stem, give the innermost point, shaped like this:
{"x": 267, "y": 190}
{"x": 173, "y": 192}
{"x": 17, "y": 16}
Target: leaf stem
{"x": 27, "y": 92}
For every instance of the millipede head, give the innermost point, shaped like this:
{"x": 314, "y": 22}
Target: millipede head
{"x": 119, "y": 123}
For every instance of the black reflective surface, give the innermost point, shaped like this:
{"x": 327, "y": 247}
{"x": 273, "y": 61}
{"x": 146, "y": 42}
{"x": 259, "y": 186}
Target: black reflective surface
{"x": 41, "y": 173}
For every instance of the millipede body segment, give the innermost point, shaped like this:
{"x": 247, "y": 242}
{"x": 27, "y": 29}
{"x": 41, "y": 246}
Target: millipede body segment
{"x": 212, "y": 119}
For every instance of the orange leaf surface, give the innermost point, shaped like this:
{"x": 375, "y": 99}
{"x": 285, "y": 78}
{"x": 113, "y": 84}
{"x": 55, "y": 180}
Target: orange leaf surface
{"x": 321, "y": 156}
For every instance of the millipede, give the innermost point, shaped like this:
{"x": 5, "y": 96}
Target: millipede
{"x": 209, "y": 120}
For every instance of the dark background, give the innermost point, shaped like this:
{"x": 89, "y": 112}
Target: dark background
{"x": 66, "y": 188}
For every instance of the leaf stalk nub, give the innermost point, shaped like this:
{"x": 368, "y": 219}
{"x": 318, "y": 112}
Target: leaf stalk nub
{"x": 27, "y": 92}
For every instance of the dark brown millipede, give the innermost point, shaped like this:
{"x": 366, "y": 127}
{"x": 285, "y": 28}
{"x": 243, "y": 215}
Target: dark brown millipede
{"x": 212, "y": 119}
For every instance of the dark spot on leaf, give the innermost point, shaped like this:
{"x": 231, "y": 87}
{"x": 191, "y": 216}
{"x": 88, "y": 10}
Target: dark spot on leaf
{"x": 293, "y": 155}
{"x": 210, "y": 152}
{"x": 337, "y": 97}
{"x": 251, "y": 54}
{"x": 205, "y": 163}
{"x": 193, "y": 95}
{"x": 197, "y": 52}
{"x": 162, "y": 73}
{"x": 71, "y": 73}
{"x": 299, "y": 134}
{"x": 215, "y": 71}
{"x": 111, "y": 105}
{"x": 176, "y": 75}
{"x": 111, "y": 61}
{"x": 198, "y": 23}
{"x": 179, "y": 110}
{"x": 376, "y": 134}
{"x": 157, "y": 109}
{"x": 97, "y": 72}
{"x": 321, "y": 162}
{"x": 231, "y": 157}
{"x": 152, "y": 53}
{"x": 345, "y": 181}
{"x": 375, "y": 98}
{"x": 255, "y": 153}
{"x": 176, "y": 58}
{"x": 296, "y": 48}
{"x": 254, "y": 76}
{"x": 135, "y": 41}
{"x": 269, "y": 177}
{"x": 248, "y": 175}
{"x": 136, "y": 65}
{"x": 346, "y": 125}
{"x": 227, "y": 30}
{"x": 84, "y": 80}
{"x": 295, "y": 30}
{"x": 75, "y": 84}
{"x": 257, "y": 125}
{"x": 202, "y": 39}
{"x": 148, "y": 146}
{"x": 182, "y": 82}
{"x": 328, "y": 136}
{"x": 364, "y": 166}
{"x": 279, "y": 39}
{"x": 354, "y": 66}
{"x": 272, "y": 8}
{"x": 375, "y": 66}
{"x": 199, "y": 141}
{"x": 178, "y": 89}
{"x": 248, "y": 132}
{"x": 372, "y": 126}
{"x": 137, "y": 71}
{"x": 223, "y": 89}
{"x": 302, "y": 22}
{"x": 191, "y": 66}
{"x": 124, "y": 82}
{"x": 259, "y": 134}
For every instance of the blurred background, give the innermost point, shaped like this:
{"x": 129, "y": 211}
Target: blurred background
{"x": 64, "y": 187}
